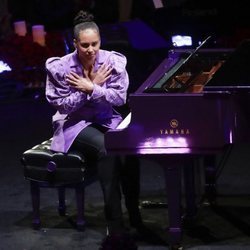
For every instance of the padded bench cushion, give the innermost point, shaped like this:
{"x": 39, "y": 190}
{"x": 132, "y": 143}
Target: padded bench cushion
{"x": 42, "y": 164}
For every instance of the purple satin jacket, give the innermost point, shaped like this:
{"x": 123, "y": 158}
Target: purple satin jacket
{"x": 75, "y": 109}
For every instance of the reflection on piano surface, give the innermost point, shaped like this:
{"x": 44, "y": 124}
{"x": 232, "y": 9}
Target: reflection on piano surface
{"x": 194, "y": 104}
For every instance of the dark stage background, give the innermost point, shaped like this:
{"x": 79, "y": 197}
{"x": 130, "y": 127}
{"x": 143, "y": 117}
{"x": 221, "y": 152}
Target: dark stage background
{"x": 143, "y": 33}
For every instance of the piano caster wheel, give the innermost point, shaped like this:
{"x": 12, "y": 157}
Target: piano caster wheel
{"x": 80, "y": 226}
{"x": 36, "y": 225}
{"x": 62, "y": 211}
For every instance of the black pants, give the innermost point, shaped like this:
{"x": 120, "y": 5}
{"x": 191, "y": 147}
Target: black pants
{"x": 111, "y": 173}
{"x": 130, "y": 183}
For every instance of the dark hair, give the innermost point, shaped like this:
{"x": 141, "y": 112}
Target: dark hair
{"x": 82, "y": 21}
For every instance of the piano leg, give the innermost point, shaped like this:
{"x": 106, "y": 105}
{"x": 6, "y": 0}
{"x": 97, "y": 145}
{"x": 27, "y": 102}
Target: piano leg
{"x": 190, "y": 194}
{"x": 210, "y": 193}
{"x": 173, "y": 188}
{"x": 213, "y": 170}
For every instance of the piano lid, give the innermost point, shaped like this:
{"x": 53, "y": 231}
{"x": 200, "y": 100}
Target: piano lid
{"x": 175, "y": 63}
{"x": 203, "y": 69}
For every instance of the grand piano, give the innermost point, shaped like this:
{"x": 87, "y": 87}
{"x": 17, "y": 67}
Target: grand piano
{"x": 195, "y": 104}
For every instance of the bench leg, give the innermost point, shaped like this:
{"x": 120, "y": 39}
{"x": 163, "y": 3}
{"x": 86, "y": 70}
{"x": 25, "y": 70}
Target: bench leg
{"x": 80, "y": 221}
{"x": 35, "y": 199}
{"x": 61, "y": 201}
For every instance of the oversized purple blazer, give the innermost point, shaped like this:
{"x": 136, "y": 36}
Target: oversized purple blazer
{"x": 76, "y": 109}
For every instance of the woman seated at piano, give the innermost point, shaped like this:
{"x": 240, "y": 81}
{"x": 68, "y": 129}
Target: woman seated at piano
{"x": 84, "y": 87}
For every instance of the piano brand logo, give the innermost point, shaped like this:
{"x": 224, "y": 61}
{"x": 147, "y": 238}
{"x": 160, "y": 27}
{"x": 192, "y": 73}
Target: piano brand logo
{"x": 174, "y": 130}
{"x": 173, "y": 123}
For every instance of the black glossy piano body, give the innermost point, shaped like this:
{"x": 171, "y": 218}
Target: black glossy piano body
{"x": 192, "y": 105}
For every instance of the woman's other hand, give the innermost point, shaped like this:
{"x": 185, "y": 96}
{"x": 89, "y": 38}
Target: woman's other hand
{"x": 81, "y": 83}
{"x": 101, "y": 75}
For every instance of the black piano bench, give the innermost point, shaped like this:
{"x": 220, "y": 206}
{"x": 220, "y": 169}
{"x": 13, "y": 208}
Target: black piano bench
{"x": 45, "y": 168}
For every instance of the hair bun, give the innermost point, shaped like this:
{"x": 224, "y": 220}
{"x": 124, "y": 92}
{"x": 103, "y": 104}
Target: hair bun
{"x": 83, "y": 16}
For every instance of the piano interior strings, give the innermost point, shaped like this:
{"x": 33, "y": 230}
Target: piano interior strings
{"x": 187, "y": 71}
